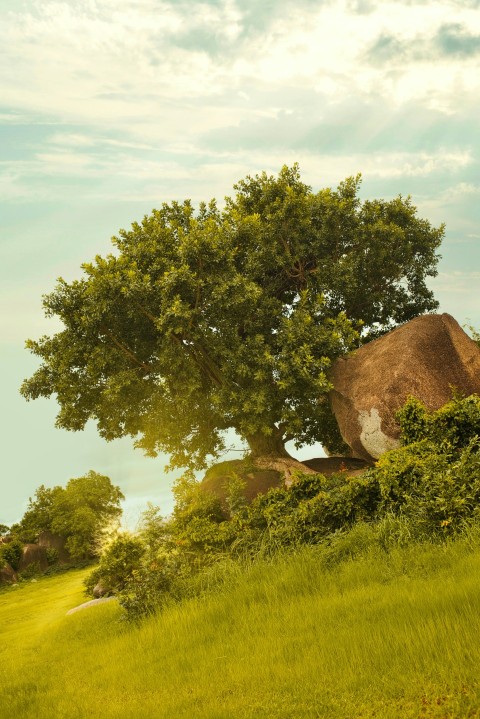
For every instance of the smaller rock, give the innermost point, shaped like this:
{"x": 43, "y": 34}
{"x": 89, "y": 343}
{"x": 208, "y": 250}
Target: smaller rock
{"x": 257, "y": 481}
{"x": 7, "y": 575}
{"x": 99, "y": 590}
{"x": 91, "y": 603}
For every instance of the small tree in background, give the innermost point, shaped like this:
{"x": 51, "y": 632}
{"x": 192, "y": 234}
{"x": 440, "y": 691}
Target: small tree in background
{"x": 77, "y": 512}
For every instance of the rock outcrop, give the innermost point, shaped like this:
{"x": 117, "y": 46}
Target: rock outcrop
{"x": 33, "y": 554}
{"x": 259, "y": 481}
{"x": 427, "y": 358}
{"x": 49, "y": 540}
{"x": 99, "y": 590}
{"x": 8, "y": 575}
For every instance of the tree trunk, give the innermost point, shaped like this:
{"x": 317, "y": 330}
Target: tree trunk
{"x": 267, "y": 445}
{"x": 268, "y": 452}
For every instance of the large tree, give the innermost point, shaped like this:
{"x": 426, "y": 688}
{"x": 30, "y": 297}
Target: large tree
{"x": 216, "y": 319}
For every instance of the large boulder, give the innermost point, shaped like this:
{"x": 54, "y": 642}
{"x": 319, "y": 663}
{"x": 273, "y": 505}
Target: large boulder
{"x": 33, "y": 554}
{"x": 49, "y": 540}
{"x": 427, "y": 358}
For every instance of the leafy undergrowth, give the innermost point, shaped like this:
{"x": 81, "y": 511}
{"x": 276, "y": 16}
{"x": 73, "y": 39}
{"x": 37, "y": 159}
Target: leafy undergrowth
{"x": 306, "y": 634}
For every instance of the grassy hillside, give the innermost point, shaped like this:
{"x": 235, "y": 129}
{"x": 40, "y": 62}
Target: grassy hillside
{"x": 384, "y": 635}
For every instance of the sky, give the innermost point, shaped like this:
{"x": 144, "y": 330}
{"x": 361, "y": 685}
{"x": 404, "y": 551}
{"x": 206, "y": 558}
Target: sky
{"x": 110, "y": 107}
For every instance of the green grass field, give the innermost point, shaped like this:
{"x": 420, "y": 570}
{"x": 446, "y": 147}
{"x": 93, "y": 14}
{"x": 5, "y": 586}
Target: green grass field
{"x": 385, "y": 635}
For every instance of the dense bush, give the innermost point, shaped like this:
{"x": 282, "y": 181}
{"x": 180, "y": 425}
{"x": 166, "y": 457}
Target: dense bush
{"x": 31, "y": 570}
{"x": 174, "y": 559}
{"x": 450, "y": 428}
{"x": 437, "y": 491}
{"x": 429, "y": 487}
{"x": 434, "y": 478}
{"x": 198, "y": 522}
{"x": 52, "y": 556}
{"x": 11, "y": 553}
{"x": 118, "y": 562}
{"x": 311, "y": 509}
{"x": 149, "y": 568}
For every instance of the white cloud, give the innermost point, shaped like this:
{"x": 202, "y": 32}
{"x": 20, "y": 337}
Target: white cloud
{"x": 459, "y": 275}
{"x": 408, "y": 164}
{"x": 185, "y": 170}
{"x": 71, "y": 163}
{"x": 65, "y": 139}
{"x": 130, "y": 65}
{"x": 461, "y": 190}
{"x": 13, "y": 118}
{"x": 455, "y": 195}
{"x": 16, "y": 182}
{"x": 457, "y": 282}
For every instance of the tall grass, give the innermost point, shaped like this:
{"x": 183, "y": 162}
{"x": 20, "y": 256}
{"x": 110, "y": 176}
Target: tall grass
{"x": 306, "y": 634}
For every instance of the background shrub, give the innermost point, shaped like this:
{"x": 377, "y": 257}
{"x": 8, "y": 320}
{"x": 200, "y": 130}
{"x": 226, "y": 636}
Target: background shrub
{"x": 52, "y": 556}
{"x": 11, "y": 553}
{"x": 32, "y": 570}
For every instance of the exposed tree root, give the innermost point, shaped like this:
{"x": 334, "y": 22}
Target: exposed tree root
{"x": 286, "y": 465}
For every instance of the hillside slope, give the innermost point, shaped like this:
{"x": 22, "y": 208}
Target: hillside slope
{"x": 385, "y": 635}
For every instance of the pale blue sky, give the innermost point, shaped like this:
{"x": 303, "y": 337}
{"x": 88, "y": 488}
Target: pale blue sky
{"x": 110, "y": 107}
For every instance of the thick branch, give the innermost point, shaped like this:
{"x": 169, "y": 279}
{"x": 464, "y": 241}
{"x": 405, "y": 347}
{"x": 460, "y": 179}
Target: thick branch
{"x": 201, "y": 359}
{"x": 128, "y": 352}
{"x": 199, "y": 355}
{"x": 210, "y": 365}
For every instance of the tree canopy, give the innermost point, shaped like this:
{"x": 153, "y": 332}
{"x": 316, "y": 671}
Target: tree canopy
{"x": 76, "y": 512}
{"x": 201, "y": 321}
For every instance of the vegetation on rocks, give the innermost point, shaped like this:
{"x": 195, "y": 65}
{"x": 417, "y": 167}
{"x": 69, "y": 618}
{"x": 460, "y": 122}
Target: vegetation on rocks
{"x": 427, "y": 489}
